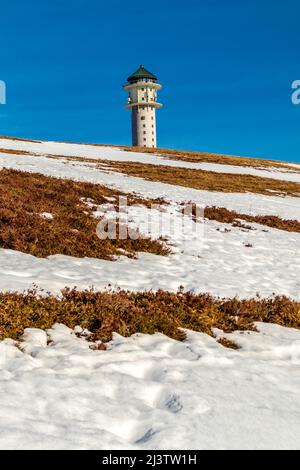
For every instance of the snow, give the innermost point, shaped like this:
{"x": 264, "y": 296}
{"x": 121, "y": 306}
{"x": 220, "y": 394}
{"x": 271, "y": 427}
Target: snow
{"x": 204, "y": 258}
{"x": 117, "y": 154}
{"x": 247, "y": 203}
{"x": 151, "y": 392}
{"x": 46, "y": 215}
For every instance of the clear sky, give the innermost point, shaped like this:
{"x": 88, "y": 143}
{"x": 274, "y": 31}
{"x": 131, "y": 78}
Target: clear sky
{"x": 226, "y": 66}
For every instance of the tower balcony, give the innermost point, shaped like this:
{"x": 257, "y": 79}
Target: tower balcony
{"x": 145, "y": 104}
{"x": 143, "y": 84}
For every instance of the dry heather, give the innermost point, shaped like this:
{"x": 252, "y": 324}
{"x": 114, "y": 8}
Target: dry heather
{"x": 191, "y": 178}
{"x": 205, "y": 157}
{"x": 206, "y": 180}
{"x": 18, "y": 139}
{"x": 15, "y": 152}
{"x": 190, "y": 156}
{"x": 220, "y": 214}
{"x": 24, "y": 196}
{"x": 225, "y": 216}
{"x": 146, "y": 312}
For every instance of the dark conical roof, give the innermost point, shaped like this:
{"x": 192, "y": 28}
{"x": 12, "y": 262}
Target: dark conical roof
{"x": 141, "y": 73}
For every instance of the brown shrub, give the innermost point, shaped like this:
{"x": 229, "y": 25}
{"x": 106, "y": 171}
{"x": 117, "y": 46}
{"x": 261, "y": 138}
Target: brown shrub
{"x": 198, "y": 179}
{"x": 227, "y": 343}
{"x": 221, "y": 214}
{"x": 190, "y": 156}
{"x": 143, "y": 312}
{"x": 206, "y": 180}
{"x": 206, "y": 157}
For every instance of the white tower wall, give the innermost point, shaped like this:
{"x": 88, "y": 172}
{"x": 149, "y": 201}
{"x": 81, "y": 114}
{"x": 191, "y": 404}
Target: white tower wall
{"x": 143, "y": 126}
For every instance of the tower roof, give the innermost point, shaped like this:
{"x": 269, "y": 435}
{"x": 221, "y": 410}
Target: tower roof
{"x": 141, "y": 73}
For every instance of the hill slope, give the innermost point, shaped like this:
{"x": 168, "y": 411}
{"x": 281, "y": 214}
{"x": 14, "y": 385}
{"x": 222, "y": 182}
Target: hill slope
{"x": 195, "y": 227}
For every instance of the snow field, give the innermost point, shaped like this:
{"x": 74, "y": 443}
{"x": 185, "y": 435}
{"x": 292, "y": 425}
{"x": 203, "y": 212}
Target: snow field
{"x": 151, "y": 392}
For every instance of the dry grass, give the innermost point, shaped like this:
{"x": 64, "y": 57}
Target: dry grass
{"x": 189, "y": 156}
{"x": 146, "y": 312}
{"x": 18, "y": 139}
{"x": 177, "y": 176}
{"x": 227, "y": 343}
{"x": 24, "y": 196}
{"x": 226, "y": 216}
{"x": 15, "y": 152}
{"x": 220, "y": 214}
{"x": 205, "y": 157}
{"x": 206, "y": 180}
{"x": 191, "y": 178}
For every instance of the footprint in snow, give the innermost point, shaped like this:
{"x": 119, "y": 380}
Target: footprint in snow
{"x": 173, "y": 404}
{"x": 146, "y": 436}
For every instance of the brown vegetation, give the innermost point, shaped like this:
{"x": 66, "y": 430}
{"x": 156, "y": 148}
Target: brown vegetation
{"x": 72, "y": 231}
{"x": 15, "y": 152}
{"x": 145, "y": 312}
{"x": 205, "y": 157}
{"x": 206, "y": 180}
{"x": 226, "y": 216}
{"x": 18, "y": 138}
{"x": 220, "y": 214}
{"x": 191, "y": 178}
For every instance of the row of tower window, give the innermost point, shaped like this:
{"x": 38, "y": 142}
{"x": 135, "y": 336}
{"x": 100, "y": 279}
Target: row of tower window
{"x": 146, "y": 132}
{"x": 144, "y": 117}
{"x": 144, "y": 125}
{"x": 154, "y": 99}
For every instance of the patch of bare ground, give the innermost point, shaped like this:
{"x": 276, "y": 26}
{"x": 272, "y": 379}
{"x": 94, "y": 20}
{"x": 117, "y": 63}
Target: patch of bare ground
{"x": 206, "y": 180}
{"x": 146, "y": 312}
{"x": 205, "y": 157}
{"x": 72, "y": 230}
{"x": 236, "y": 219}
{"x": 191, "y": 178}
{"x": 221, "y": 214}
{"x": 15, "y": 152}
{"x": 189, "y": 156}
{"x": 18, "y": 139}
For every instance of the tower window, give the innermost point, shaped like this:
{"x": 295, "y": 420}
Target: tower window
{"x": 144, "y": 125}
{"x": 152, "y": 125}
{"x": 143, "y": 118}
{"x": 144, "y": 132}
{"x": 144, "y": 139}
{"x": 151, "y": 118}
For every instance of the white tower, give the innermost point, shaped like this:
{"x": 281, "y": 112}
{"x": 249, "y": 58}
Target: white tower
{"x": 142, "y": 100}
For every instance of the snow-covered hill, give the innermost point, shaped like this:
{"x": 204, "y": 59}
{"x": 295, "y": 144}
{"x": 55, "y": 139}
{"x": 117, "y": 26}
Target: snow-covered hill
{"x": 152, "y": 391}
{"x": 217, "y": 261}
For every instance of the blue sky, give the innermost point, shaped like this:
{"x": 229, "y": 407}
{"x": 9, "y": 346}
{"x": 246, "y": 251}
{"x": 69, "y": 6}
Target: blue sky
{"x": 226, "y": 66}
